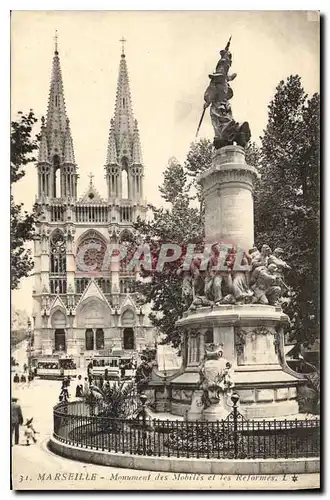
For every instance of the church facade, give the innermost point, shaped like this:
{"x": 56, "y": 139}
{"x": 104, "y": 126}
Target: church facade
{"x": 81, "y": 307}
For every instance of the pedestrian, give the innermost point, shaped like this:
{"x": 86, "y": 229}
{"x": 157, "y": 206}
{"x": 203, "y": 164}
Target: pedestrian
{"x": 86, "y": 386}
{"x": 64, "y": 394}
{"x": 29, "y": 432}
{"x": 25, "y": 367}
{"x": 16, "y": 419}
{"x": 101, "y": 381}
{"x": 23, "y": 378}
{"x": 79, "y": 388}
{"x": 16, "y": 378}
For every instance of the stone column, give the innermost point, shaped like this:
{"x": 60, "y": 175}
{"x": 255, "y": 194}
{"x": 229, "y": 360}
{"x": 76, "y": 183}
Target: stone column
{"x": 228, "y": 193}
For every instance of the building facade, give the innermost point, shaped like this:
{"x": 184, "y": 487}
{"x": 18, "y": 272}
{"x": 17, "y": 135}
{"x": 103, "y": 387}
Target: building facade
{"x": 82, "y": 306}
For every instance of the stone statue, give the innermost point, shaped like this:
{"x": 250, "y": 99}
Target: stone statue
{"x": 260, "y": 258}
{"x": 218, "y": 282}
{"x": 266, "y": 289}
{"x": 240, "y": 283}
{"x": 187, "y": 289}
{"x": 143, "y": 374}
{"x": 193, "y": 285}
{"x": 275, "y": 258}
{"x": 215, "y": 377}
{"x": 217, "y": 95}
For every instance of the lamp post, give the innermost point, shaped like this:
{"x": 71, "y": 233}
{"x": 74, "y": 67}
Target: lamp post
{"x": 166, "y": 408}
{"x": 235, "y": 400}
{"x": 29, "y": 336}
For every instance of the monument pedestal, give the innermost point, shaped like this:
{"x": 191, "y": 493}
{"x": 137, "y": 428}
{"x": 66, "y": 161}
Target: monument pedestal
{"x": 218, "y": 411}
{"x": 228, "y": 194}
{"x": 252, "y": 336}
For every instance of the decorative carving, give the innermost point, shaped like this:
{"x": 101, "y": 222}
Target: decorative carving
{"x": 193, "y": 347}
{"x": 70, "y": 299}
{"x": 187, "y": 394}
{"x": 215, "y": 376}
{"x": 262, "y": 330}
{"x": 94, "y": 314}
{"x": 93, "y": 253}
{"x": 240, "y": 338}
{"x": 276, "y": 343}
{"x": 113, "y": 233}
{"x": 193, "y": 334}
{"x": 57, "y": 254}
{"x": 254, "y": 279}
{"x": 69, "y": 232}
{"x": 176, "y": 394}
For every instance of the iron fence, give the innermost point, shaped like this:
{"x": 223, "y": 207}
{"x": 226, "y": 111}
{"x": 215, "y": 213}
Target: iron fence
{"x": 85, "y": 426}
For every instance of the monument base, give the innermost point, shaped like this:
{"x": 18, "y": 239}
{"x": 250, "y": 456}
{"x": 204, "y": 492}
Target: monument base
{"x": 252, "y": 336}
{"x": 218, "y": 411}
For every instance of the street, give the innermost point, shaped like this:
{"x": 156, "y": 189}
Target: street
{"x": 35, "y": 467}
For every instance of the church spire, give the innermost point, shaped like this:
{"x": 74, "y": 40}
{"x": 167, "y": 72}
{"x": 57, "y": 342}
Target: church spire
{"x": 43, "y": 148}
{"x": 137, "y": 151}
{"x": 124, "y": 169}
{"x": 68, "y": 153}
{"x": 56, "y": 112}
{"x": 56, "y": 165}
{"x": 123, "y": 118}
{"x": 112, "y": 152}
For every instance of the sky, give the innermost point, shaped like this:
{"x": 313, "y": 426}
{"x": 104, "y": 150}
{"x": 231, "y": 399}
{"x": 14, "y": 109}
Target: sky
{"x": 169, "y": 56}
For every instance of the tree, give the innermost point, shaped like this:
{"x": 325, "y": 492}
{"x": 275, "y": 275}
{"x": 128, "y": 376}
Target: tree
{"x": 180, "y": 224}
{"x": 287, "y": 199}
{"x": 22, "y": 145}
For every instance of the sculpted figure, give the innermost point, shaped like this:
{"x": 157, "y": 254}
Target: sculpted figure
{"x": 215, "y": 375}
{"x": 259, "y": 260}
{"x": 266, "y": 288}
{"x": 276, "y": 258}
{"x": 47, "y": 302}
{"x": 217, "y": 281}
{"x": 187, "y": 287}
{"x": 143, "y": 374}
{"x": 240, "y": 283}
{"x": 226, "y": 129}
{"x": 192, "y": 291}
{"x": 213, "y": 286}
{"x": 255, "y": 257}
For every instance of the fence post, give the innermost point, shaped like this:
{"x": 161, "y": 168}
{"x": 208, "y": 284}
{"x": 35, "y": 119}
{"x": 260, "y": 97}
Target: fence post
{"x": 235, "y": 399}
{"x": 143, "y": 399}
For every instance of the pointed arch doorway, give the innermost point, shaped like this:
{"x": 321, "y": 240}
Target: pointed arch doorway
{"x": 60, "y": 342}
{"x": 128, "y": 339}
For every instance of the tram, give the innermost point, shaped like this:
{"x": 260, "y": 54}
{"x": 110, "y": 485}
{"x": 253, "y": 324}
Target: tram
{"x": 112, "y": 367}
{"x": 51, "y": 367}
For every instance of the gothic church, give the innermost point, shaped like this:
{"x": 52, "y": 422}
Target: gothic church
{"x": 75, "y": 313}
